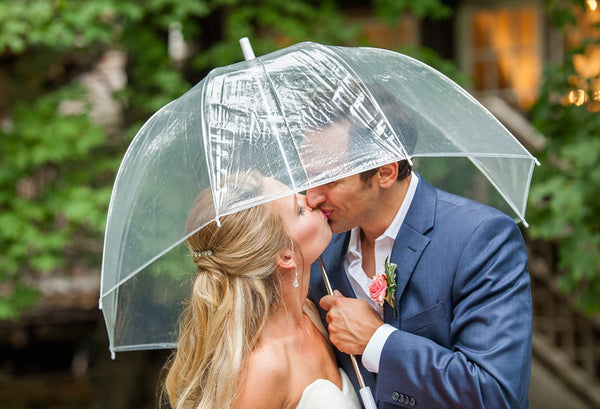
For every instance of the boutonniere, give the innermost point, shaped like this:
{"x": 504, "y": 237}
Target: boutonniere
{"x": 383, "y": 287}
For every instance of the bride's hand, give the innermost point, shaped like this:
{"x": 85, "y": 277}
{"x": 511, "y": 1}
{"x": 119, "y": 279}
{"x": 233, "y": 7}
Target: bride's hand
{"x": 351, "y": 322}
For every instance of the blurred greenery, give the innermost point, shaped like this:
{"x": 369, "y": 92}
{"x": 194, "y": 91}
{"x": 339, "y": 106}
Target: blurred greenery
{"x": 58, "y": 165}
{"x": 564, "y": 203}
{"x": 388, "y": 10}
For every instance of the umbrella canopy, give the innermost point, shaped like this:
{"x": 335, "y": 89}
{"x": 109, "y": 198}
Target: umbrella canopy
{"x": 260, "y": 115}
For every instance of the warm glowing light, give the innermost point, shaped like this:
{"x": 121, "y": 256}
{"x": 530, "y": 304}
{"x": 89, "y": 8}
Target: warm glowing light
{"x": 587, "y": 65}
{"x": 577, "y": 97}
{"x": 573, "y": 80}
{"x": 593, "y": 107}
{"x": 510, "y": 36}
{"x": 595, "y": 90}
{"x": 585, "y": 83}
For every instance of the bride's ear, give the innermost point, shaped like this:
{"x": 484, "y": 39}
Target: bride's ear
{"x": 286, "y": 260}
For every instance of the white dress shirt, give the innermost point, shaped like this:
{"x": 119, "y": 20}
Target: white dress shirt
{"x": 360, "y": 281}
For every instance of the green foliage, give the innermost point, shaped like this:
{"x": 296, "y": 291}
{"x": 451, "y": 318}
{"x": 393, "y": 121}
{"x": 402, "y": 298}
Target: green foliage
{"x": 561, "y": 12}
{"x": 57, "y": 169}
{"x": 275, "y": 23}
{"x": 60, "y": 23}
{"x": 565, "y": 205}
{"x": 390, "y": 10}
{"x": 50, "y": 193}
{"x": 20, "y": 298}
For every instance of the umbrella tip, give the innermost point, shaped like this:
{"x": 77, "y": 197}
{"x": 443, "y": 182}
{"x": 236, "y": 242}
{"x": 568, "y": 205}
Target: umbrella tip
{"x": 247, "y": 49}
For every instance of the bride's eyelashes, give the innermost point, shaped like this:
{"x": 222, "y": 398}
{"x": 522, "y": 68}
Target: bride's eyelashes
{"x": 299, "y": 205}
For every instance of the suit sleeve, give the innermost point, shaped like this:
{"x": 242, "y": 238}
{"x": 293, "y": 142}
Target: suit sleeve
{"x": 488, "y": 365}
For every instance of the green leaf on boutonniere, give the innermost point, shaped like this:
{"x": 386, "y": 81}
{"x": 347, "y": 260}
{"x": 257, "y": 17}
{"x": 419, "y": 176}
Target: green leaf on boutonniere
{"x": 390, "y": 275}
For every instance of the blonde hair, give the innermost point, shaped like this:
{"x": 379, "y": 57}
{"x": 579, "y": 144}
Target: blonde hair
{"x": 234, "y": 292}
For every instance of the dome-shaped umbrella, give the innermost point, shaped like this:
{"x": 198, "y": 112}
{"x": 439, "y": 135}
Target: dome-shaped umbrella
{"x": 259, "y": 115}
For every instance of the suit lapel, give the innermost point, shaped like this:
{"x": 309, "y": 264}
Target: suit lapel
{"x": 333, "y": 260}
{"x": 411, "y": 242}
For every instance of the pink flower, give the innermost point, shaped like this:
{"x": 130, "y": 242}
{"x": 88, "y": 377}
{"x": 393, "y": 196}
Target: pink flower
{"x": 378, "y": 288}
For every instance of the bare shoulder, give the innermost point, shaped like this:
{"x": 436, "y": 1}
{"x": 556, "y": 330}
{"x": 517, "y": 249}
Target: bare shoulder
{"x": 265, "y": 380}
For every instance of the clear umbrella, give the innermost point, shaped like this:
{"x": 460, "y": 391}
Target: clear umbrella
{"x": 262, "y": 114}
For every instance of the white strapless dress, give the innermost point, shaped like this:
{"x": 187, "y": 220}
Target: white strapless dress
{"x": 324, "y": 394}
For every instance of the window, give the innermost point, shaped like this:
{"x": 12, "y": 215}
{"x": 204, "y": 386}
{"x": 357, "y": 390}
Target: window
{"x": 500, "y": 46}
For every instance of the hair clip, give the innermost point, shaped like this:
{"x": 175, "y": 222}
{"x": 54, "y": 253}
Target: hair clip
{"x": 203, "y": 253}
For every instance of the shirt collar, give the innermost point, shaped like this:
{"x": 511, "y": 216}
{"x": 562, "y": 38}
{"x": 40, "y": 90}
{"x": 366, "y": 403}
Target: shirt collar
{"x": 394, "y": 227}
{"x": 392, "y": 230}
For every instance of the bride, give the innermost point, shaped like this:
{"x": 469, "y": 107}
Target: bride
{"x": 249, "y": 338}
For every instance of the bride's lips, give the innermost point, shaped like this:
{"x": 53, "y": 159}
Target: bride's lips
{"x": 326, "y": 213}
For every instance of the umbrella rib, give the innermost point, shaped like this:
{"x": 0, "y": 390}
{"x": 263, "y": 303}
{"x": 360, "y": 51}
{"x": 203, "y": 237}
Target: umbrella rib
{"x": 472, "y": 154}
{"x": 500, "y": 191}
{"x": 149, "y": 346}
{"x": 340, "y": 60}
{"x": 531, "y": 167}
{"x": 281, "y": 113}
{"x": 207, "y": 148}
{"x": 143, "y": 266}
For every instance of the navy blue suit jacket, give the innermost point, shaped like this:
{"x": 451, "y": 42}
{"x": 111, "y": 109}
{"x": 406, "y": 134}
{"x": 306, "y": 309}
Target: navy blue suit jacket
{"x": 464, "y": 308}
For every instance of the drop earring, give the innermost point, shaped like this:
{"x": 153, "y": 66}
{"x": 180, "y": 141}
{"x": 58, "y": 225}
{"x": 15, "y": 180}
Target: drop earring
{"x": 296, "y": 284}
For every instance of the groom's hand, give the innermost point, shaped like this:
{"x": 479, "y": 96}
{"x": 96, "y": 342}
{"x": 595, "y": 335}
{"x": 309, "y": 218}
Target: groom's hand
{"x": 351, "y": 322}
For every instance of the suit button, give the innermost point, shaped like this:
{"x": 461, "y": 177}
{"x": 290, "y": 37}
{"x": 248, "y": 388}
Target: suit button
{"x": 395, "y": 396}
{"x": 412, "y": 402}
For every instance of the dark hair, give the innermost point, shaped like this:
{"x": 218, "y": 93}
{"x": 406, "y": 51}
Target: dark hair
{"x": 403, "y": 124}
{"x": 332, "y": 105}
{"x": 404, "y": 170}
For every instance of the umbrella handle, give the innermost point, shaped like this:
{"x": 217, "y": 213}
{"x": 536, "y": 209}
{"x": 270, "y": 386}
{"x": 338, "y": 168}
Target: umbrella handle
{"x": 365, "y": 392}
{"x": 367, "y": 398}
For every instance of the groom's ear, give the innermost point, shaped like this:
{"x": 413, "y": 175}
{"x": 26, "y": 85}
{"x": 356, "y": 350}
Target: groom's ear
{"x": 387, "y": 175}
{"x": 286, "y": 260}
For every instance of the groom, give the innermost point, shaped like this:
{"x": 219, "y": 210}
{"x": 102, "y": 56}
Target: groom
{"x": 459, "y": 332}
